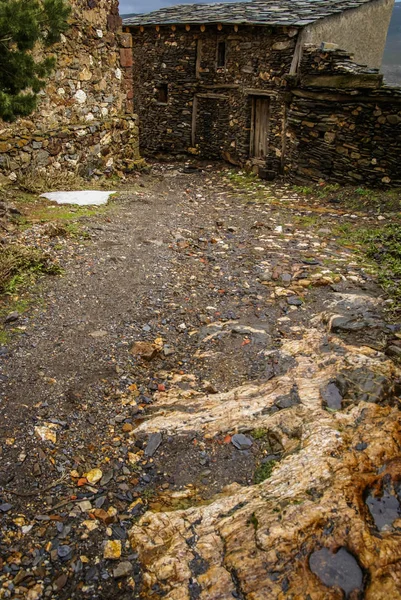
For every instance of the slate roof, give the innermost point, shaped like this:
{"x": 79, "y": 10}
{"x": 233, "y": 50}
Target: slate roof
{"x": 296, "y": 13}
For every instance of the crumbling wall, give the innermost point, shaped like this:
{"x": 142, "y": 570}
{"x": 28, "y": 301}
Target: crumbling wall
{"x": 343, "y": 124}
{"x": 85, "y": 112}
{"x": 208, "y": 108}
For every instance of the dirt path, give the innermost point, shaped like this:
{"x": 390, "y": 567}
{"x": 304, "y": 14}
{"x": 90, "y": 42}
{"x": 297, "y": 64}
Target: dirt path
{"x": 200, "y": 310}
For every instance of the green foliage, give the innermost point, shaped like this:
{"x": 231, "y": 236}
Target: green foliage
{"x": 23, "y": 24}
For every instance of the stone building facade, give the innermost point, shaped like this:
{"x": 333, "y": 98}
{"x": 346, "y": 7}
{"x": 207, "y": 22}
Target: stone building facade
{"x": 218, "y": 81}
{"x": 84, "y": 121}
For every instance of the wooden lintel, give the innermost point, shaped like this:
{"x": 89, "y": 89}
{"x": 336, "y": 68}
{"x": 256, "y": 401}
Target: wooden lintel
{"x": 211, "y": 95}
{"x": 221, "y": 86}
{"x": 344, "y": 81}
{"x": 347, "y": 99}
{"x": 258, "y": 92}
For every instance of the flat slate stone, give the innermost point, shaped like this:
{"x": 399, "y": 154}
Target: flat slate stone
{"x": 241, "y": 441}
{"x": 155, "y": 439}
{"x": 338, "y": 569}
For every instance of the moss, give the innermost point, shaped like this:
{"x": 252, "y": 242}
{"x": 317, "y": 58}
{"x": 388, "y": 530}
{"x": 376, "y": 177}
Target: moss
{"x": 264, "y": 471}
{"x": 253, "y": 520}
{"x": 260, "y": 434}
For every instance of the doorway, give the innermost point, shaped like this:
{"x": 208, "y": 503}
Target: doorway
{"x": 260, "y": 125}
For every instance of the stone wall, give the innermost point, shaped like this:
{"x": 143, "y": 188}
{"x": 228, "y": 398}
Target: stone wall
{"x": 343, "y": 124}
{"x": 208, "y": 108}
{"x": 85, "y": 112}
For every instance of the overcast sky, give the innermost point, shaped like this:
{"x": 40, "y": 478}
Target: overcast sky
{"x": 140, "y": 6}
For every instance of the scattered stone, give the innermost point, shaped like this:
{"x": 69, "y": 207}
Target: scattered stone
{"x": 12, "y": 317}
{"x": 144, "y": 350}
{"x": 155, "y": 439}
{"x": 338, "y": 569}
{"x": 112, "y": 549}
{"x": 361, "y": 446}
{"x": 107, "y": 477}
{"x": 384, "y": 508}
{"x": 85, "y": 506}
{"x": 331, "y": 396}
{"x": 60, "y": 582}
{"x": 294, "y": 301}
{"x": 94, "y": 476}
{"x": 64, "y": 553}
{"x": 5, "y": 507}
{"x": 288, "y": 400}
{"x": 123, "y": 569}
{"x": 46, "y": 433}
{"x": 241, "y": 441}
{"x": 98, "y": 334}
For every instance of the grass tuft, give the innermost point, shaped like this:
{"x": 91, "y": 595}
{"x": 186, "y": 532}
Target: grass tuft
{"x": 22, "y": 264}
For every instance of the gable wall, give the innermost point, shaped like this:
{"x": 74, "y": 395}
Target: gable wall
{"x": 361, "y": 31}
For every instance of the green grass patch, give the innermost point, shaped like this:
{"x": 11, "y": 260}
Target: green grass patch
{"x": 381, "y": 247}
{"x": 359, "y": 199}
{"x": 264, "y": 471}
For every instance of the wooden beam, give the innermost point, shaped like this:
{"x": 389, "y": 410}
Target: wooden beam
{"x": 193, "y": 124}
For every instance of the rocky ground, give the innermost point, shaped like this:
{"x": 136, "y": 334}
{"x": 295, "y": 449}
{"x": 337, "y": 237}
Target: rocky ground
{"x": 204, "y": 406}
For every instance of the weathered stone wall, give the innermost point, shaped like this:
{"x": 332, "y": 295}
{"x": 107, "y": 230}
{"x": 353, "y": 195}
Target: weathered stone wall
{"x": 208, "y": 109}
{"x": 80, "y": 120}
{"x": 343, "y": 124}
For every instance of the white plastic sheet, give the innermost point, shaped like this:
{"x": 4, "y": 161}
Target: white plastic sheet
{"x": 80, "y": 198}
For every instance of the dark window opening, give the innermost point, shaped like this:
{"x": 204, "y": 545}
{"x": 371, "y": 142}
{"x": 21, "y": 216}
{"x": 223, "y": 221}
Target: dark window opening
{"x": 221, "y": 54}
{"x": 162, "y": 93}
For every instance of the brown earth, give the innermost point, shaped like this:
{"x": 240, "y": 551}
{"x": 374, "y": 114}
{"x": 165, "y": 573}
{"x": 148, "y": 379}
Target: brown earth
{"x": 255, "y": 321}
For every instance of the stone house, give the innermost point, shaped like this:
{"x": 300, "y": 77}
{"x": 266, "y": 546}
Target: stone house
{"x": 214, "y": 80}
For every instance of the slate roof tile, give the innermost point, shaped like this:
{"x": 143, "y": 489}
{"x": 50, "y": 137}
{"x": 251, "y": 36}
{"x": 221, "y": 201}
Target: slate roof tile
{"x": 297, "y": 13}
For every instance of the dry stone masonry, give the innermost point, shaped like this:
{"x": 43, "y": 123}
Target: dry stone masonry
{"x": 84, "y": 118}
{"x": 344, "y": 125}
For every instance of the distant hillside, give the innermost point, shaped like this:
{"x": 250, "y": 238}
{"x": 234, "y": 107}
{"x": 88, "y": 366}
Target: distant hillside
{"x": 392, "y": 55}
